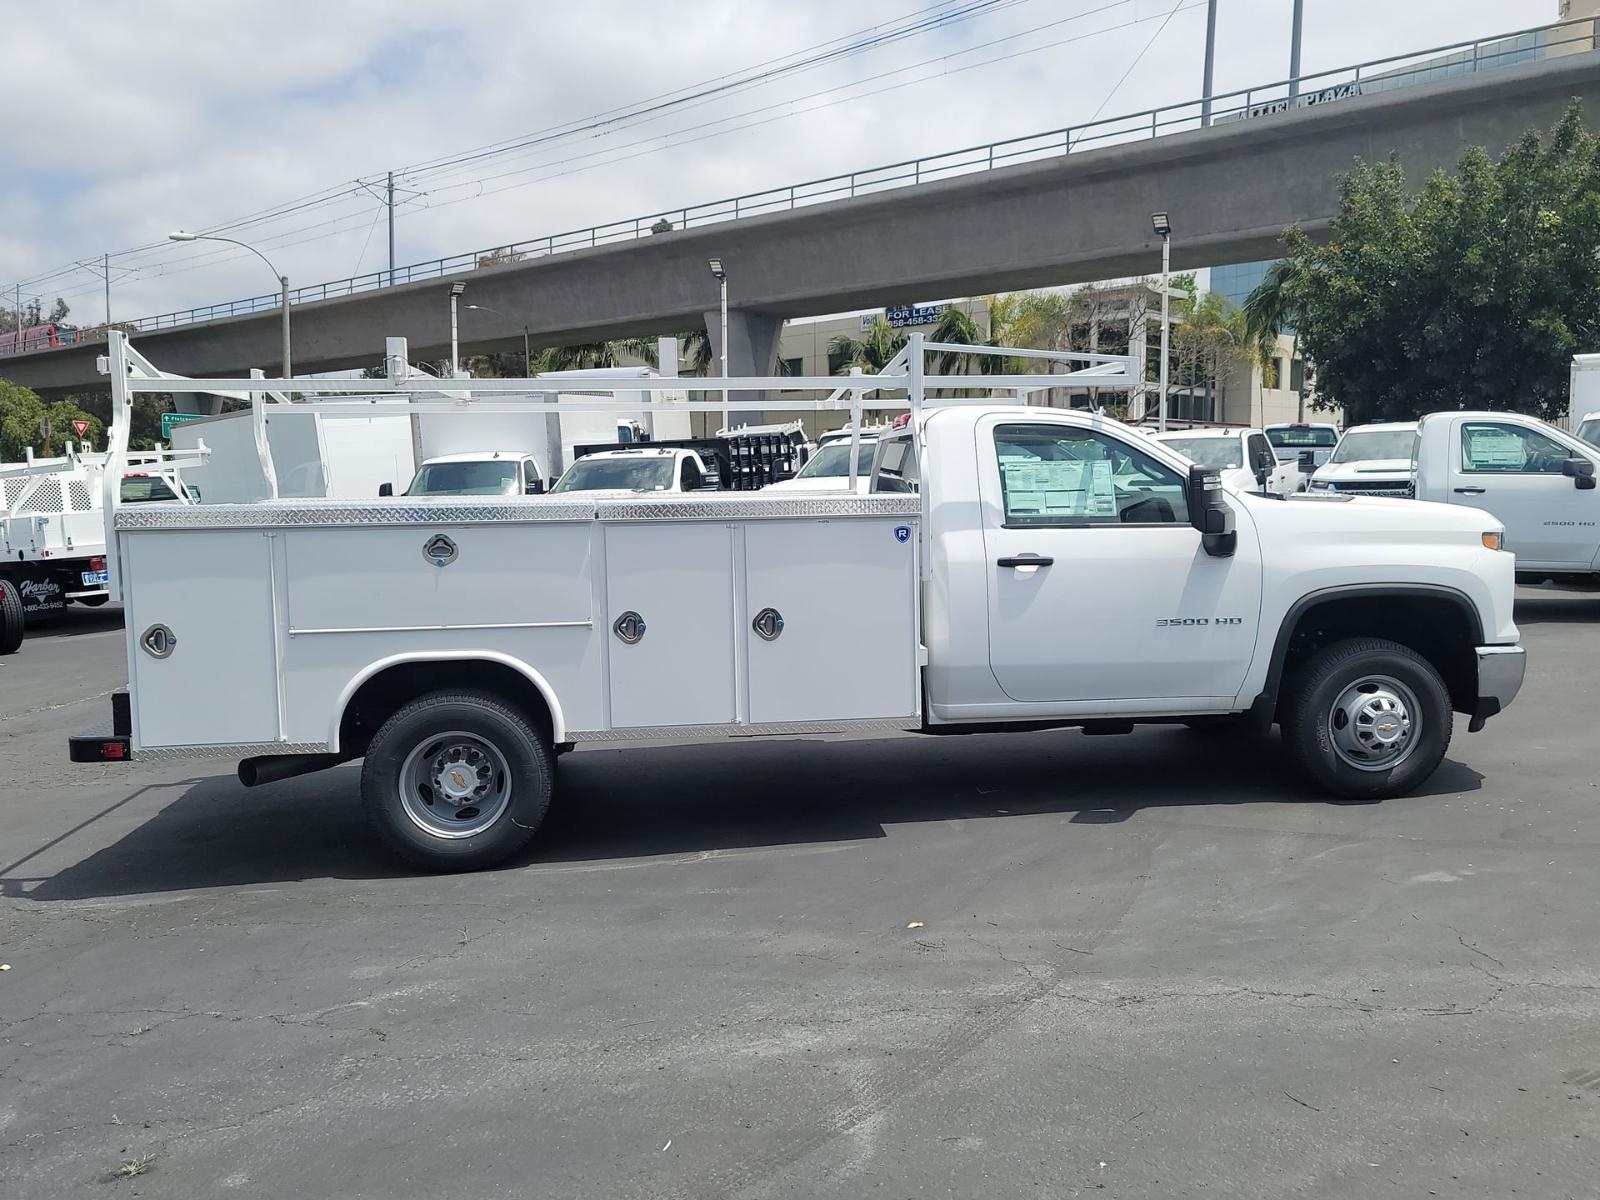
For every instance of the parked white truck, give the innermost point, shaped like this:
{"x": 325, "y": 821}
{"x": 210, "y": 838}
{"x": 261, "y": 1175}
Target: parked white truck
{"x": 1044, "y": 568}
{"x": 1538, "y": 481}
{"x": 1243, "y": 457}
{"x": 1370, "y": 460}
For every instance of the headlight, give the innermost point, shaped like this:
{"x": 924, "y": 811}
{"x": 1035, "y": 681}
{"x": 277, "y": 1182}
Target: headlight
{"x": 1495, "y": 540}
{"x": 1318, "y": 485}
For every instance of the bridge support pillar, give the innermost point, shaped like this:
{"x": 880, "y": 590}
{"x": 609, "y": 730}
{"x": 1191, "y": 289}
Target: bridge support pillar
{"x": 752, "y": 350}
{"x": 197, "y": 402}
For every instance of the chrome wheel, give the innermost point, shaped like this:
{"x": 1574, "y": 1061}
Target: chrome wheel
{"x": 455, "y": 785}
{"x": 1374, "y": 722}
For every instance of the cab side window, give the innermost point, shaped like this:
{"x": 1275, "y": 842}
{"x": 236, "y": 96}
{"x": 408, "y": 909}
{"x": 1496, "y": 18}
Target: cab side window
{"x": 1066, "y": 476}
{"x": 1490, "y": 448}
{"x": 897, "y": 466}
{"x": 689, "y": 476}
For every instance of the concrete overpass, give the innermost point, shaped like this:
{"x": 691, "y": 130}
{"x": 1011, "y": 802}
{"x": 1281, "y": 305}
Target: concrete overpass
{"x": 1231, "y": 191}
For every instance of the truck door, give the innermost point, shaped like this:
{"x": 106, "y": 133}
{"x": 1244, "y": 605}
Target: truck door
{"x": 1099, "y": 588}
{"x": 1515, "y": 472}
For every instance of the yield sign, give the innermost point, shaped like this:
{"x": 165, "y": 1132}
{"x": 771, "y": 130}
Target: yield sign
{"x": 81, "y": 428}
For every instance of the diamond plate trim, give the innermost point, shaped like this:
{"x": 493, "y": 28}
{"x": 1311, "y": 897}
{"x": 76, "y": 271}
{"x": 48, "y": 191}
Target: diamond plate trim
{"x": 785, "y": 727}
{"x": 337, "y": 512}
{"x": 242, "y": 750}
{"x": 694, "y": 507}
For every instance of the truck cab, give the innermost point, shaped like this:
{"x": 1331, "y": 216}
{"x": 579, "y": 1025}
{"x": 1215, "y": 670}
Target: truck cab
{"x": 476, "y": 473}
{"x": 662, "y": 470}
{"x": 1539, "y": 481}
{"x": 1243, "y": 457}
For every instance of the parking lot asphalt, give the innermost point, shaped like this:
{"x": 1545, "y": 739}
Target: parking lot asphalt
{"x": 1000, "y": 965}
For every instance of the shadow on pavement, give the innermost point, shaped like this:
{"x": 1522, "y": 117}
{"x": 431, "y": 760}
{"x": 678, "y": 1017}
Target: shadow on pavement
{"x": 78, "y": 620}
{"x": 677, "y": 799}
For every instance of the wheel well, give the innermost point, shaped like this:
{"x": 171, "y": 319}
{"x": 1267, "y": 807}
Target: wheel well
{"x": 1439, "y": 626}
{"x": 391, "y": 689}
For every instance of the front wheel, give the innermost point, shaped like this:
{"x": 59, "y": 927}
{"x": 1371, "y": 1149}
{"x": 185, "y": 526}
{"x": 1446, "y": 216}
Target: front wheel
{"x": 1367, "y": 719}
{"x": 457, "y": 781}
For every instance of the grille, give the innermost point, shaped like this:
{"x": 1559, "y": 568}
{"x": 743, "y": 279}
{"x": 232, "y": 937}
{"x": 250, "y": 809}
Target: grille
{"x": 46, "y": 498}
{"x": 1375, "y": 488}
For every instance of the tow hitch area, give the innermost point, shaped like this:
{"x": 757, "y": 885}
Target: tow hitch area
{"x": 108, "y": 742}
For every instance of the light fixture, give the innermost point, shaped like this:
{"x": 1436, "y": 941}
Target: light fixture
{"x": 1161, "y": 224}
{"x": 716, "y": 268}
{"x": 457, "y": 288}
{"x": 178, "y": 235}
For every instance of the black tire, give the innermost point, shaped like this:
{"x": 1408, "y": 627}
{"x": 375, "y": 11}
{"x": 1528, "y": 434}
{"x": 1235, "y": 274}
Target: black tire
{"x": 92, "y": 601}
{"x": 12, "y": 620}
{"x": 1312, "y": 729}
{"x": 480, "y": 719}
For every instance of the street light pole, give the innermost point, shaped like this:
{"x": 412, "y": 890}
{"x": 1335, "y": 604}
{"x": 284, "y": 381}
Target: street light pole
{"x": 1294, "y": 49}
{"x": 1163, "y": 226}
{"x": 283, "y": 281}
{"x": 1211, "y": 63}
{"x": 527, "y": 354}
{"x": 456, "y": 289}
{"x": 721, "y": 277}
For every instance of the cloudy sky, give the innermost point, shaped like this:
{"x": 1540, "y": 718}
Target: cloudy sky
{"x": 125, "y": 121}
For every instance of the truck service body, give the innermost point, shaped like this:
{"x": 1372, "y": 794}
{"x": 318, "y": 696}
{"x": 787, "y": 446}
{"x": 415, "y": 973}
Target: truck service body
{"x": 1039, "y": 568}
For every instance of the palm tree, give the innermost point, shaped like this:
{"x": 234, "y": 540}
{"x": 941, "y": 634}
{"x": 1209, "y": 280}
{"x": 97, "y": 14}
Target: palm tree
{"x": 871, "y": 353}
{"x": 1273, "y": 309}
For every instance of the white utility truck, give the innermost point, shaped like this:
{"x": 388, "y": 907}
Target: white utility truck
{"x": 1537, "y": 480}
{"x": 639, "y": 470}
{"x": 1243, "y": 457}
{"x": 1043, "y": 568}
{"x": 1370, "y": 460}
{"x": 52, "y": 529}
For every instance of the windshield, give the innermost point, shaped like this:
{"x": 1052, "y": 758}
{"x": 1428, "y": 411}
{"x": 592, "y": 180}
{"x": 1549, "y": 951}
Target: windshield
{"x": 1307, "y": 437}
{"x": 494, "y": 478}
{"x": 1589, "y": 431}
{"x": 1218, "y": 453}
{"x": 1363, "y": 445}
{"x": 833, "y": 461}
{"x": 618, "y": 475}
{"x": 136, "y": 489}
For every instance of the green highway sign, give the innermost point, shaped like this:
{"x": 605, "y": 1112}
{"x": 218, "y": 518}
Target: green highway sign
{"x": 169, "y": 419}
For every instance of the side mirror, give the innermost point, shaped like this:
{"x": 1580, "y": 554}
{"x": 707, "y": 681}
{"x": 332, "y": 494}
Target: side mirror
{"x": 1210, "y": 513}
{"x": 1308, "y": 460}
{"x": 535, "y": 487}
{"x": 386, "y": 489}
{"x": 782, "y": 472}
{"x": 1262, "y": 475}
{"x": 1581, "y": 472}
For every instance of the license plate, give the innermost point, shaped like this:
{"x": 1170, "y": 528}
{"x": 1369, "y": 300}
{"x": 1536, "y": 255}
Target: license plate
{"x": 90, "y": 578}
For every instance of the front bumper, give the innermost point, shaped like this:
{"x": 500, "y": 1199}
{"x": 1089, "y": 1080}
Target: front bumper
{"x": 1500, "y": 672}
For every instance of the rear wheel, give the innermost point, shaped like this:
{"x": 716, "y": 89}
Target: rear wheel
{"x": 456, "y": 781}
{"x": 1367, "y": 718}
{"x": 12, "y": 620}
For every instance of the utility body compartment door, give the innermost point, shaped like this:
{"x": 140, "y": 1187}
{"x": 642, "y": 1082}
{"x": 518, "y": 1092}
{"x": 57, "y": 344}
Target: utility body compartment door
{"x": 669, "y": 616}
{"x": 216, "y": 684}
{"x": 830, "y": 624}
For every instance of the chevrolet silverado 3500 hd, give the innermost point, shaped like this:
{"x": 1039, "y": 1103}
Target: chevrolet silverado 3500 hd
{"x": 1033, "y": 567}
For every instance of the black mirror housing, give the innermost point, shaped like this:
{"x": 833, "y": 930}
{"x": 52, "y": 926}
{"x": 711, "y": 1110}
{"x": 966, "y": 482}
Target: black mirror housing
{"x": 535, "y": 487}
{"x": 386, "y": 489}
{"x": 1308, "y": 460}
{"x": 1577, "y": 468}
{"x": 1210, "y": 512}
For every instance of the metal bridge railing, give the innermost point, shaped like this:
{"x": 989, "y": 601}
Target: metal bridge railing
{"x": 1366, "y": 78}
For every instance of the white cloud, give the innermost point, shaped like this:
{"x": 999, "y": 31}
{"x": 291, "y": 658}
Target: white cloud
{"x": 145, "y": 117}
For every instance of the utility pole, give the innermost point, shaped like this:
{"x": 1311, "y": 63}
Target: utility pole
{"x": 391, "y": 228}
{"x": 1162, "y": 224}
{"x": 1294, "y": 49}
{"x": 105, "y": 266}
{"x": 1211, "y": 63}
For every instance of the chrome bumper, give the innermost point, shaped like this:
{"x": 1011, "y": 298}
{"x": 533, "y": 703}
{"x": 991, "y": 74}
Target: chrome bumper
{"x": 1500, "y": 672}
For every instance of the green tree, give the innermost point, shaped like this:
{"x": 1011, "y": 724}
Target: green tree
{"x": 23, "y": 416}
{"x": 871, "y": 353}
{"x": 1472, "y": 292}
{"x": 33, "y": 313}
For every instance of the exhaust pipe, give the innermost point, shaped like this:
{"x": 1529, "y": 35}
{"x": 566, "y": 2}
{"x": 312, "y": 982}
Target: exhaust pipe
{"x": 269, "y": 768}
